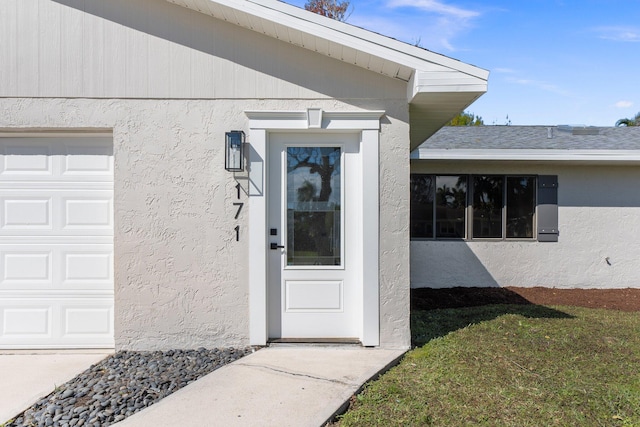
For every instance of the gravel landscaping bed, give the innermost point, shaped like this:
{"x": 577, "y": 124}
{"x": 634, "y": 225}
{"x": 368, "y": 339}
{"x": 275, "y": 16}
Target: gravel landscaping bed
{"x": 123, "y": 384}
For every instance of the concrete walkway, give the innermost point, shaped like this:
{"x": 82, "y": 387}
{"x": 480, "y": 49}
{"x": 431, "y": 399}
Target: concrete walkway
{"x": 26, "y": 376}
{"x": 276, "y": 386}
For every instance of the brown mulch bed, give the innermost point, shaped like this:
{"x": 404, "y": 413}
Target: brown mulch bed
{"x": 615, "y": 299}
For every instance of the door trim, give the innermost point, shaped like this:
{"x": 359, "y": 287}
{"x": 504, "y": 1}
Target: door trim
{"x": 367, "y": 125}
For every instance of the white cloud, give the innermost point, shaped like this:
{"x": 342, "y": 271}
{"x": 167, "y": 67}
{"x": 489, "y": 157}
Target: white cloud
{"x": 549, "y": 87}
{"x": 437, "y": 35}
{"x": 435, "y": 23}
{"x": 435, "y": 7}
{"x": 624, "y": 104}
{"x": 619, "y": 34}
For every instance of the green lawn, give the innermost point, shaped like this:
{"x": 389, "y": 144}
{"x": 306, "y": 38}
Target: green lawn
{"x": 507, "y": 365}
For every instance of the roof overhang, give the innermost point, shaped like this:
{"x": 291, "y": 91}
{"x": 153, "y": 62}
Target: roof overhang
{"x": 436, "y": 97}
{"x": 520, "y": 155}
{"x": 438, "y": 87}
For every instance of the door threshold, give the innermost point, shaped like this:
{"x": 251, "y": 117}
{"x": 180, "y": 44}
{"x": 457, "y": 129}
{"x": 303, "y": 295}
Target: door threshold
{"x": 314, "y": 341}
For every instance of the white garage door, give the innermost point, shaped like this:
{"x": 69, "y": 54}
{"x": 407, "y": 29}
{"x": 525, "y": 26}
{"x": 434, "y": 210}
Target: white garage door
{"x": 56, "y": 242}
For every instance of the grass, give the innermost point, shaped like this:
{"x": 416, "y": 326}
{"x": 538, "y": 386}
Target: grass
{"x": 507, "y": 365}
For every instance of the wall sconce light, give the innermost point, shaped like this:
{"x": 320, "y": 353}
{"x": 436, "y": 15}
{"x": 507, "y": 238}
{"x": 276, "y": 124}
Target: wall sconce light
{"x": 234, "y": 151}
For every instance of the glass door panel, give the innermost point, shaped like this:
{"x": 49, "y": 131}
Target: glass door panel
{"x": 314, "y": 200}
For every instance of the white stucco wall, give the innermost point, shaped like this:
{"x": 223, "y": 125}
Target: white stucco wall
{"x": 394, "y": 236}
{"x": 180, "y": 276}
{"x": 599, "y": 218}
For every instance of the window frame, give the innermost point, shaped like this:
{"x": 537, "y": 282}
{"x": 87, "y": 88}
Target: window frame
{"x": 469, "y": 210}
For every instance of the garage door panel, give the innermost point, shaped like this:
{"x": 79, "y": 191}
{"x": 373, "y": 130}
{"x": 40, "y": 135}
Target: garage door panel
{"x": 56, "y": 242}
{"x": 32, "y": 159}
{"x": 50, "y": 322}
{"x": 83, "y": 161}
{"x": 45, "y": 267}
{"x": 56, "y": 159}
{"x": 86, "y": 267}
{"x": 54, "y": 212}
{"x": 89, "y": 212}
{"x": 20, "y": 267}
{"x": 31, "y": 320}
{"x": 20, "y": 213}
{"x": 87, "y": 320}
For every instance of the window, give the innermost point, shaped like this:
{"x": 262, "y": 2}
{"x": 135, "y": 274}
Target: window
{"x": 487, "y": 206}
{"x": 475, "y": 206}
{"x": 438, "y": 205}
{"x": 422, "y": 192}
{"x": 451, "y": 201}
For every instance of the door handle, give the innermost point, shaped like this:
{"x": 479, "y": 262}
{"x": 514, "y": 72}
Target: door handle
{"x": 275, "y": 246}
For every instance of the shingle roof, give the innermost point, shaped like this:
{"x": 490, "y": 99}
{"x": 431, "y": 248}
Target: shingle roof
{"x": 533, "y": 138}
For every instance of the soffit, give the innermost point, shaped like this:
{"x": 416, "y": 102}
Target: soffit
{"x": 431, "y": 110}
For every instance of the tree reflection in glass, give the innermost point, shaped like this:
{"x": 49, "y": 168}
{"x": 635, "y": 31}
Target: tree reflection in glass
{"x": 487, "y": 206}
{"x": 422, "y": 205}
{"x": 313, "y": 206}
{"x": 451, "y": 202}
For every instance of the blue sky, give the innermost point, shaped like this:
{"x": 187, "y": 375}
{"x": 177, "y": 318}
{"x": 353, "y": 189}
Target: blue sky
{"x": 551, "y": 61}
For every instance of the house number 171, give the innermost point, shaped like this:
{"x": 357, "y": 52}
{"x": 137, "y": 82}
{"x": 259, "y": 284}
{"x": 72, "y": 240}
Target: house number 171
{"x": 239, "y": 205}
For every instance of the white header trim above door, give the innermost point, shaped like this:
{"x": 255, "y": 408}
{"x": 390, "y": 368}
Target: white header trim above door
{"x": 367, "y": 124}
{"x": 330, "y": 120}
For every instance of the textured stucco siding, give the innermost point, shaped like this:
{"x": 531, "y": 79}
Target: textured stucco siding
{"x": 181, "y": 279}
{"x": 394, "y": 232}
{"x": 599, "y": 219}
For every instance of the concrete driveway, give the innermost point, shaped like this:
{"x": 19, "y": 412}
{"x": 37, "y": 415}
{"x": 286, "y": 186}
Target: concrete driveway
{"x": 29, "y": 375}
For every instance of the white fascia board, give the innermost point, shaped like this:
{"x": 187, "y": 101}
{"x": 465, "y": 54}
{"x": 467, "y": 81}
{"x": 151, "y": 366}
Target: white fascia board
{"x": 615, "y": 156}
{"x": 425, "y": 82}
{"x": 365, "y": 41}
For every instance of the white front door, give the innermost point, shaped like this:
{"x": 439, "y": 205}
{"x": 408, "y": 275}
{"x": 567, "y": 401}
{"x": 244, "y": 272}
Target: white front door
{"x": 314, "y": 226}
